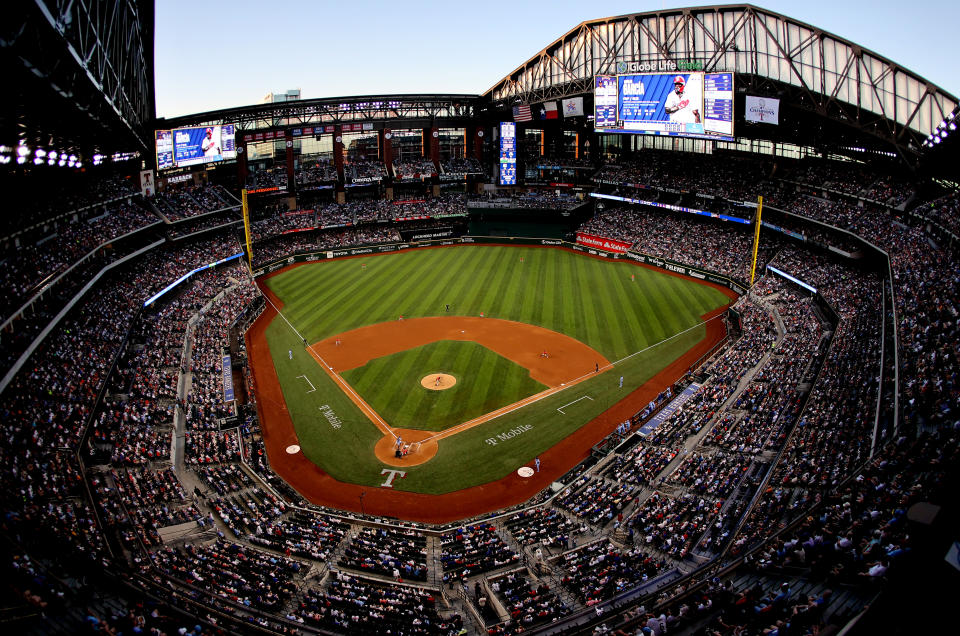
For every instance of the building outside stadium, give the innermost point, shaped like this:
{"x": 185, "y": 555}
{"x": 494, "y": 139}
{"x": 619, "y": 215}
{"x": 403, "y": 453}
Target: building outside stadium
{"x": 539, "y": 359}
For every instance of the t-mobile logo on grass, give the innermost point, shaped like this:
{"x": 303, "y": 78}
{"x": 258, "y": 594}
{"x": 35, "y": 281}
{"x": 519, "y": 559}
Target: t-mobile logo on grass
{"x": 391, "y": 475}
{"x": 513, "y": 432}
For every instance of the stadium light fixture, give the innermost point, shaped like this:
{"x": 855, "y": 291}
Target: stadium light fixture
{"x": 22, "y": 151}
{"x": 62, "y": 162}
{"x": 953, "y": 125}
{"x": 21, "y": 159}
{"x": 40, "y": 152}
{"x": 936, "y": 140}
{"x": 51, "y": 161}
{"x": 37, "y": 161}
{"x": 72, "y": 158}
{"x": 52, "y": 154}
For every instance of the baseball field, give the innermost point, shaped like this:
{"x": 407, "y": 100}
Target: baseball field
{"x": 467, "y": 362}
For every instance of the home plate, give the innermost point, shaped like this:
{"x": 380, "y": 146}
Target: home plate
{"x": 293, "y": 449}
{"x": 525, "y": 471}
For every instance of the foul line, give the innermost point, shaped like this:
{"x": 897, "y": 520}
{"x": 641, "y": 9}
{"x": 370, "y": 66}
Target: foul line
{"x": 372, "y": 415}
{"x": 312, "y": 388}
{"x": 585, "y": 397}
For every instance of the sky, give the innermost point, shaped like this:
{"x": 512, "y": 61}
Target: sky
{"x": 212, "y": 54}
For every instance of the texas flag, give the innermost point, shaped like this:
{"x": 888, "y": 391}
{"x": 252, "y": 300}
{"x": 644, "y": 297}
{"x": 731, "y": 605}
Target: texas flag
{"x": 548, "y": 110}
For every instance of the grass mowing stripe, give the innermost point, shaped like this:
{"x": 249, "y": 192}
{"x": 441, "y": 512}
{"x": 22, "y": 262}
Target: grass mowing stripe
{"x": 547, "y": 292}
{"x": 606, "y": 290}
{"x": 590, "y": 324}
{"x": 445, "y": 282}
{"x": 626, "y": 290}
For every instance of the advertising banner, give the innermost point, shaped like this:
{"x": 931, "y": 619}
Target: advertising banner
{"x": 228, "y": 393}
{"x": 604, "y": 243}
{"x": 426, "y": 235}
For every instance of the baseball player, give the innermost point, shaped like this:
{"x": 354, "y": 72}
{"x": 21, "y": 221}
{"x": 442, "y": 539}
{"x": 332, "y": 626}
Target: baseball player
{"x": 681, "y": 107}
{"x": 210, "y": 146}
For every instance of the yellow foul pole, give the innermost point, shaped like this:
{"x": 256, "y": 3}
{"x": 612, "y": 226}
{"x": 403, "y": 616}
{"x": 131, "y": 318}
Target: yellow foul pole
{"x": 756, "y": 240}
{"x": 246, "y": 229}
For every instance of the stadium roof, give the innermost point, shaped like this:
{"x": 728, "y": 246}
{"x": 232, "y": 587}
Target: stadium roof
{"x": 80, "y": 74}
{"x": 772, "y": 54}
{"x": 405, "y": 109}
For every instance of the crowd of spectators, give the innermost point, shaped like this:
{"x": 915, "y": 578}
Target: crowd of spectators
{"x": 673, "y": 525}
{"x": 528, "y": 199}
{"x": 461, "y": 165}
{"x": 269, "y": 178}
{"x": 365, "y": 170}
{"x": 182, "y": 201}
{"x": 232, "y": 571}
{"x": 724, "y": 248}
{"x": 51, "y": 200}
{"x": 944, "y": 211}
{"x": 28, "y": 267}
{"x": 598, "y": 571}
{"x": 640, "y": 465}
{"x": 544, "y": 527}
{"x": 333, "y": 239}
{"x": 396, "y": 553}
{"x": 528, "y": 603}
{"x": 833, "y": 436}
{"x": 733, "y": 177}
{"x": 314, "y": 172}
{"x": 596, "y": 500}
{"x": 303, "y": 534}
{"x": 356, "y": 605}
{"x": 414, "y": 167}
{"x": 473, "y": 550}
{"x": 758, "y": 335}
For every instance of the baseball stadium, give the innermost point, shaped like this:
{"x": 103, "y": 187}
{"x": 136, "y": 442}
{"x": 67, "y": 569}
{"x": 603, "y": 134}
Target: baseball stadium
{"x": 655, "y": 335}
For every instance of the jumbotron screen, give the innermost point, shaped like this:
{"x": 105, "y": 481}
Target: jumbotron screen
{"x": 191, "y": 146}
{"x": 696, "y": 104}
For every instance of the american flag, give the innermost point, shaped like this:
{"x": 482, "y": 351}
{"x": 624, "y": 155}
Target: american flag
{"x": 522, "y": 113}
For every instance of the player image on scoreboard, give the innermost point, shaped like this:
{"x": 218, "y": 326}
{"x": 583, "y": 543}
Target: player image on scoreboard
{"x": 684, "y": 104}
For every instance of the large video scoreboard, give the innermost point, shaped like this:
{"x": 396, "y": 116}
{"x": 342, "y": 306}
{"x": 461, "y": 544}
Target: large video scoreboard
{"x": 682, "y": 104}
{"x": 191, "y": 146}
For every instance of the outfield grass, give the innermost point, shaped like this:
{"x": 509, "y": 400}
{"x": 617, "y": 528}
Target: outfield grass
{"x": 485, "y": 382}
{"x": 594, "y": 301}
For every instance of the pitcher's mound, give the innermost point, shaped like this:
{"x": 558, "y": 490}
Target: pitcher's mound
{"x": 438, "y": 381}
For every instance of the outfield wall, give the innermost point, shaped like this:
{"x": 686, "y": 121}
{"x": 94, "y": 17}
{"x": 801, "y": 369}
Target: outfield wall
{"x": 735, "y": 285}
